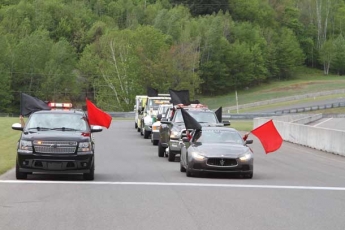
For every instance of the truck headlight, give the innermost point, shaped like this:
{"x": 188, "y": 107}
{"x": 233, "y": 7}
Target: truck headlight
{"x": 84, "y": 147}
{"x": 174, "y": 135}
{"x": 25, "y": 145}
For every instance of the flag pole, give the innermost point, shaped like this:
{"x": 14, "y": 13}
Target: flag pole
{"x": 236, "y": 101}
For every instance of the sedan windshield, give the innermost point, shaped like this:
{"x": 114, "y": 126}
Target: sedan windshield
{"x": 59, "y": 122}
{"x": 218, "y": 136}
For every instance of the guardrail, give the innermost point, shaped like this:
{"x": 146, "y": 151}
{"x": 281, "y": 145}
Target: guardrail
{"x": 310, "y": 108}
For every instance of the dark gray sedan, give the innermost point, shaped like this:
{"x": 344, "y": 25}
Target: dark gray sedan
{"x": 216, "y": 149}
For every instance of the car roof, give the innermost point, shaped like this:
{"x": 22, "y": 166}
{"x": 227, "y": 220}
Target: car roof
{"x": 61, "y": 111}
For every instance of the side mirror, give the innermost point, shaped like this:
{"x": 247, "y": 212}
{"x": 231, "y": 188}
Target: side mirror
{"x": 17, "y": 126}
{"x": 96, "y": 129}
{"x": 248, "y": 142}
{"x": 185, "y": 139}
{"x": 159, "y": 117}
{"x": 226, "y": 123}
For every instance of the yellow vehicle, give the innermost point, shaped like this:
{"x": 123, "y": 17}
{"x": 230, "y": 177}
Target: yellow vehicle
{"x": 140, "y": 102}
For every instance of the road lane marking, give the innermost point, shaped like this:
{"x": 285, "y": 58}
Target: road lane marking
{"x": 323, "y": 122}
{"x": 174, "y": 184}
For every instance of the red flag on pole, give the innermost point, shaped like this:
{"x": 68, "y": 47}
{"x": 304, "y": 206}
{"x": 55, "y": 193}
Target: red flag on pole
{"x": 97, "y": 116}
{"x": 268, "y": 136}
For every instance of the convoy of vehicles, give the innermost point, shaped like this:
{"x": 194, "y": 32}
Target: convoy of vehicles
{"x": 56, "y": 142}
{"x": 61, "y": 141}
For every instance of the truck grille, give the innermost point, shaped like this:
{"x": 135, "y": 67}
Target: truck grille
{"x": 222, "y": 162}
{"x": 58, "y": 147}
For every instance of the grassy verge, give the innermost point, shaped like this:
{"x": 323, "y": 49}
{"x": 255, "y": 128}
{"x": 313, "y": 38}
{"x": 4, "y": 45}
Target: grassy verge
{"x": 308, "y": 81}
{"x": 8, "y": 143}
{"x": 242, "y": 125}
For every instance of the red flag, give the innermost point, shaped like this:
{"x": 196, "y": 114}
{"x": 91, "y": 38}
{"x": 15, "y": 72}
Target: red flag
{"x": 268, "y": 136}
{"x": 97, "y": 116}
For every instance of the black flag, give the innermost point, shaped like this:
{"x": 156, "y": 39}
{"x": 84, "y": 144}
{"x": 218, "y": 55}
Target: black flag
{"x": 189, "y": 121}
{"x": 219, "y": 114}
{"x": 30, "y": 104}
{"x": 179, "y": 97}
{"x": 151, "y": 92}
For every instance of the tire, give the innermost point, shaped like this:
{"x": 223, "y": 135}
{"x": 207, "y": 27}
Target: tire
{"x": 182, "y": 169}
{"x": 91, "y": 174}
{"x": 171, "y": 156}
{"x": 20, "y": 175}
{"x": 146, "y": 134}
{"x": 188, "y": 172}
{"x": 136, "y": 125}
{"x": 161, "y": 150}
{"x": 155, "y": 142}
{"x": 138, "y": 129}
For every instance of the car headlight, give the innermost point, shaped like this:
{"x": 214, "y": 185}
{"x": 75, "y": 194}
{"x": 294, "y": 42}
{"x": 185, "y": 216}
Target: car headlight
{"x": 84, "y": 147}
{"x": 197, "y": 156}
{"x": 25, "y": 145}
{"x": 247, "y": 156}
{"x": 175, "y": 135}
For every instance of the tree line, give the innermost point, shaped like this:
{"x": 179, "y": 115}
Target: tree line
{"x": 112, "y": 50}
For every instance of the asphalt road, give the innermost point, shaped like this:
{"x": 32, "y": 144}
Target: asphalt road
{"x": 293, "y": 188}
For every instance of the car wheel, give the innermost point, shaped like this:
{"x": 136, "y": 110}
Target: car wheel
{"x": 171, "y": 156}
{"x": 136, "y": 125}
{"x": 182, "y": 169}
{"x": 141, "y": 131}
{"x": 188, "y": 172}
{"x": 20, "y": 175}
{"x": 138, "y": 129}
{"x": 146, "y": 134}
{"x": 91, "y": 174}
{"x": 161, "y": 150}
{"x": 155, "y": 142}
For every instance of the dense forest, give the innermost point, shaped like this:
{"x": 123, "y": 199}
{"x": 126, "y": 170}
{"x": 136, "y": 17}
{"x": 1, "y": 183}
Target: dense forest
{"x": 111, "y": 50}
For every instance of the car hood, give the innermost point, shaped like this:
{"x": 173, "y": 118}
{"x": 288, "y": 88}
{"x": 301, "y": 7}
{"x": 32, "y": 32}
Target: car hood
{"x": 219, "y": 149}
{"x": 56, "y": 135}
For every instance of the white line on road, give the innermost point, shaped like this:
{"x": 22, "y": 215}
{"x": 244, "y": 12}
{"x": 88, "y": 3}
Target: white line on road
{"x": 323, "y": 122}
{"x": 173, "y": 184}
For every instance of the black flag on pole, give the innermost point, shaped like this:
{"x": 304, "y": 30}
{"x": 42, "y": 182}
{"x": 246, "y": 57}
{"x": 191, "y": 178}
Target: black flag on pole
{"x": 30, "y": 104}
{"x": 179, "y": 97}
{"x": 219, "y": 114}
{"x": 189, "y": 121}
{"x": 151, "y": 92}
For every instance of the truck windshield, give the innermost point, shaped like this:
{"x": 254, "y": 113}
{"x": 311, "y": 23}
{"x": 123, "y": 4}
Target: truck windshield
{"x": 154, "y": 103}
{"x": 199, "y": 116}
{"x": 68, "y": 122}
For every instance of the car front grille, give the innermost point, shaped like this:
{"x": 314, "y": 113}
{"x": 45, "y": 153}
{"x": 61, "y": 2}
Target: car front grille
{"x": 221, "y": 162}
{"x": 57, "y": 147}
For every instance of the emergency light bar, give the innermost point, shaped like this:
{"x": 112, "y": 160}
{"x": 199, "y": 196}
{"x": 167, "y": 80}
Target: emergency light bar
{"x": 59, "y": 105}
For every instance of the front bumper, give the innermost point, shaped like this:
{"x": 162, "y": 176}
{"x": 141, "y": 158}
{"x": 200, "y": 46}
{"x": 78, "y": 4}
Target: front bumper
{"x": 202, "y": 166}
{"x": 54, "y": 163}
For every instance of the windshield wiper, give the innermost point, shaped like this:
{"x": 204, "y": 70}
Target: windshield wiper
{"x": 39, "y": 128}
{"x": 65, "y": 129}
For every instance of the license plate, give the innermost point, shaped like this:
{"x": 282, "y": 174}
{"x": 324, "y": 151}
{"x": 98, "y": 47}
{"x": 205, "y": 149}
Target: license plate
{"x": 54, "y": 166}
